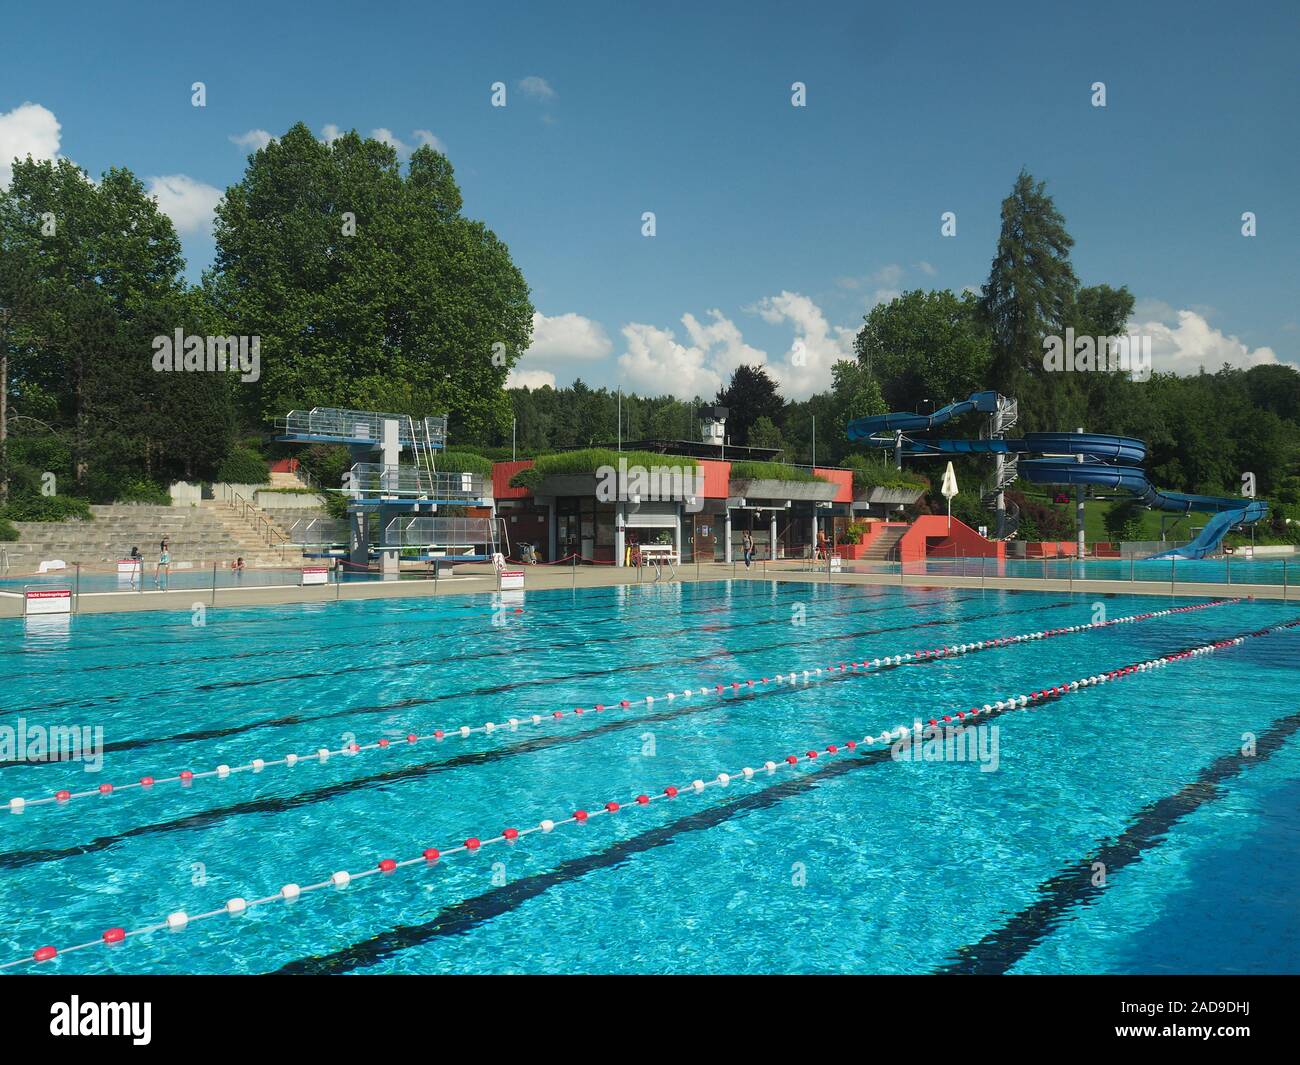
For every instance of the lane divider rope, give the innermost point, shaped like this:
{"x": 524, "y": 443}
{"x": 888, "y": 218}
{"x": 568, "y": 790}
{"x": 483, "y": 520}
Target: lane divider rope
{"x": 180, "y": 920}
{"x": 186, "y": 777}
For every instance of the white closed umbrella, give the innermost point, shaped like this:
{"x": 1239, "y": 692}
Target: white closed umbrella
{"x": 949, "y": 489}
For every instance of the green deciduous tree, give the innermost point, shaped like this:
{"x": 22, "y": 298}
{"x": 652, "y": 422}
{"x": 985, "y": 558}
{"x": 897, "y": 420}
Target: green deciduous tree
{"x": 92, "y": 272}
{"x": 925, "y": 346}
{"x": 751, "y": 394}
{"x": 368, "y": 286}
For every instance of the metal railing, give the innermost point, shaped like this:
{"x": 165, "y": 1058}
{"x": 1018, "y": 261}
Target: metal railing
{"x": 262, "y": 525}
{"x": 377, "y": 479}
{"x": 438, "y": 532}
{"x": 320, "y": 532}
{"x": 363, "y": 426}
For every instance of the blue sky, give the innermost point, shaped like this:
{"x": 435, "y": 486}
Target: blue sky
{"x": 776, "y": 225}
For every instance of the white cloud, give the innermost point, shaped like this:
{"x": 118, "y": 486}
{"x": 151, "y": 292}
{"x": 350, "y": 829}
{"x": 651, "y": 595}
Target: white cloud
{"x": 252, "y": 140}
{"x": 187, "y": 202}
{"x": 723, "y": 335}
{"x": 1183, "y": 341}
{"x": 530, "y": 379}
{"x": 28, "y": 129}
{"x": 656, "y": 364}
{"x": 567, "y": 337}
{"x": 331, "y": 132}
{"x": 538, "y": 87}
{"x": 806, "y": 367}
{"x": 926, "y": 268}
{"x": 425, "y": 136}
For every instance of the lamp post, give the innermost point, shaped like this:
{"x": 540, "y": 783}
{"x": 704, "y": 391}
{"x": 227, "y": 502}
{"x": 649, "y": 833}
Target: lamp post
{"x": 5, "y": 314}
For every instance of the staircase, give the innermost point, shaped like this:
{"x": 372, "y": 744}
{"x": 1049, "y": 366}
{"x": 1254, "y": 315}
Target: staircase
{"x": 884, "y": 548}
{"x": 260, "y": 536}
{"x": 199, "y": 535}
{"x": 1004, "y": 418}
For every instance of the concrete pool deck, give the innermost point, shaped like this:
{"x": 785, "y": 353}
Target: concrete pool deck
{"x": 541, "y": 578}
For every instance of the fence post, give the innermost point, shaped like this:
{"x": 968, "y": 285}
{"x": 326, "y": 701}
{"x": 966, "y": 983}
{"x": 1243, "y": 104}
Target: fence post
{"x": 76, "y": 595}
{"x": 1284, "y": 580}
{"x": 573, "y": 567}
{"x": 214, "y": 584}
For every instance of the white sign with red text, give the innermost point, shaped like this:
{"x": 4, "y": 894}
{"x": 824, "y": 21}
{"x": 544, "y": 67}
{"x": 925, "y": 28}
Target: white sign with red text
{"x": 48, "y": 600}
{"x": 315, "y": 575}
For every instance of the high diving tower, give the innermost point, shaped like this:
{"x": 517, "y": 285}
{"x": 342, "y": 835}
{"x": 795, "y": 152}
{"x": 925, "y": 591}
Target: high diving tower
{"x": 393, "y": 505}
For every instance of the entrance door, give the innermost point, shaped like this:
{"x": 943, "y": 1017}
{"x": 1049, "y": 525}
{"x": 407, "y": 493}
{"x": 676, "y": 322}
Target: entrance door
{"x": 704, "y": 537}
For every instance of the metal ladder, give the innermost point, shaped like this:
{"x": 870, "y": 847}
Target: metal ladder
{"x": 422, "y": 454}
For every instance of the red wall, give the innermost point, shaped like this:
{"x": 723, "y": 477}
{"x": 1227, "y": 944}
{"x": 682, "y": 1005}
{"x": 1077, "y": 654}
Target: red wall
{"x": 929, "y": 536}
{"x": 501, "y": 474}
{"x": 843, "y": 483}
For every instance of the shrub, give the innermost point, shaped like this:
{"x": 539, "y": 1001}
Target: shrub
{"x": 854, "y": 532}
{"x": 47, "y": 508}
{"x": 327, "y": 463}
{"x": 143, "y": 490}
{"x": 1123, "y": 520}
{"x": 870, "y": 471}
{"x": 7, "y": 532}
{"x": 771, "y": 471}
{"x": 590, "y": 460}
{"x": 1039, "y": 521}
{"x": 463, "y": 462}
{"x": 244, "y": 466}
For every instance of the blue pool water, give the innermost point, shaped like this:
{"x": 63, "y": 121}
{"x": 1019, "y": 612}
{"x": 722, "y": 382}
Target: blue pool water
{"x": 847, "y": 864}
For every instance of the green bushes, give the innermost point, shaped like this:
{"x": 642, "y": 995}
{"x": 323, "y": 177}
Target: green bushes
{"x": 464, "y": 462}
{"x": 143, "y": 490}
{"x": 592, "y": 459}
{"x": 1123, "y": 520}
{"x": 870, "y": 471}
{"x": 8, "y": 533}
{"x": 327, "y": 463}
{"x": 243, "y": 465}
{"x": 28, "y": 507}
{"x": 770, "y": 471}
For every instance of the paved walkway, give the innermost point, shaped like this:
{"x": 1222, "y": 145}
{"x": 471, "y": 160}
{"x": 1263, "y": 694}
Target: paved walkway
{"x": 467, "y": 581}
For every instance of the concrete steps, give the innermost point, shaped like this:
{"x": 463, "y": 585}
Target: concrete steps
{"x": 885, "y": 546}
{"x": 198, "y": 535}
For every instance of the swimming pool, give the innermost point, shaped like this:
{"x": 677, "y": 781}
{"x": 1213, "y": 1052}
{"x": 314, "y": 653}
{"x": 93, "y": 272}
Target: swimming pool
{"x": 853, "y": 861}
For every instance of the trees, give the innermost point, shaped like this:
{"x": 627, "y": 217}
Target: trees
{"x": 925, "y": 346}
{"x": 1030, "y": 289}
{"x": 368, "y": 287}
{"x": 92, "y": 273}
{"x": 750, "y": 395}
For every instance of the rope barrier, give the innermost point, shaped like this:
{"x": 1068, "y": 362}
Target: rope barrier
{"x": 180, "y": 920}
{"x": 186, "y": 777}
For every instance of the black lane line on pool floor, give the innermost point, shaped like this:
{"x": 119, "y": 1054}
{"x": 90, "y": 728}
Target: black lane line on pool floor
{"x": 464, "y": 916}
{"x": 82, "y": 702}
{"x": 549, "y": 610}
{"x": 499, "y": 689}
{"x": 477, "y": 635}
{"x": 278, "y": 804}
{"x": 251, "y": 682}
{"x": 1002, "y": 948}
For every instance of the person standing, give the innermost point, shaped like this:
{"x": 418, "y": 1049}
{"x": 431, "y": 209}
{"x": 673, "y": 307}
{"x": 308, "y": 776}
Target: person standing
{"x": 747, "y": 544}
{"x": 164, "y": 562}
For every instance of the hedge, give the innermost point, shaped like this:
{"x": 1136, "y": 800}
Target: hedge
{"x": 244, "y": 466}
{"x": 47, "y": 508}
{"x": 771, "y": 471}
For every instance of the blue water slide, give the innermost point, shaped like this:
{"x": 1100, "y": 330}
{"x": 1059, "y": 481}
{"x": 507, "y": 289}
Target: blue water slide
{"x": 1069, "y": 458}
